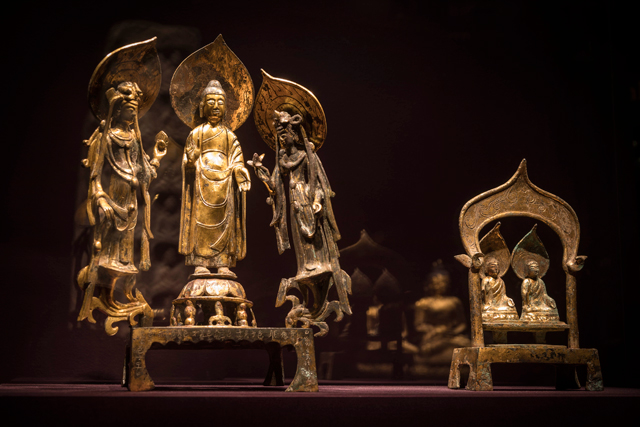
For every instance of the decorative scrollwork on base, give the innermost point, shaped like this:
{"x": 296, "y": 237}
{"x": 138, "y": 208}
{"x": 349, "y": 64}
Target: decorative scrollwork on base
{"x": 128, "y": 312}
{"x": 300, "y": 314}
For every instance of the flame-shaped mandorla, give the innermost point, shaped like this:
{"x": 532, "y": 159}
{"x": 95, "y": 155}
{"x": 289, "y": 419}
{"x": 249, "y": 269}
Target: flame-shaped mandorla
{"x": 215, "y": 61}
{"x": 137, "y": 63}
{"x": 283, "y": 95}
{"x": 493, "y": 245}
{"x": 530, "y": 248}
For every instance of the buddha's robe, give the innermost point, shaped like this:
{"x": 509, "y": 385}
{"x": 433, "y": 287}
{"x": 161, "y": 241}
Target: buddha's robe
{"x": 213, "y": 226}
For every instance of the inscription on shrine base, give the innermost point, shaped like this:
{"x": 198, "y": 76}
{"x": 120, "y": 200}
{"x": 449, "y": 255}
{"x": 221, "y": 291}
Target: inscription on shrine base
{"x": 137, "y": 378}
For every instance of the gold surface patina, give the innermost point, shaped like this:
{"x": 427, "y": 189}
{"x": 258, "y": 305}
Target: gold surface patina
{"x": 272, "y": 340}
{"x": 496, "y": 305}
{"x": 137, "y": 62}
{"x": 215, "y": 61}
{"x": 122, "y": 88}
{"x": 292, "y": 122}
{"x": 212, "y": 92}
{"x": 519, "y": 197}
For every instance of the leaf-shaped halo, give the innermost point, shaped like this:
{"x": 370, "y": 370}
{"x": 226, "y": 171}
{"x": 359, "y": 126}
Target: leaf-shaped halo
{"x": 137, "y": 63}
{"x": 283, "y": 95}
{"x": 215, "y": 61}
{"x": 528, "y": 249}
{"x": 493, "y": 245}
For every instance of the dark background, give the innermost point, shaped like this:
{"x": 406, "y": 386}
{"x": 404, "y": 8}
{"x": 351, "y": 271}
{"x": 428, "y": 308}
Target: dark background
{"x": 428, "y": 104}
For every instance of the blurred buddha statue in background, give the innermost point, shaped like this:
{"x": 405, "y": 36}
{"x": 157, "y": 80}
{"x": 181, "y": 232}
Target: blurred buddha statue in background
{"x": 440, "y": 321}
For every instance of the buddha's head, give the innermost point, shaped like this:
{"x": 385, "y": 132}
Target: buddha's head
{"x": 492, "y": 268}
{"x": 437, "y": 283}
{"x": 213, "y": 105}
{"x": 532, "y": 269}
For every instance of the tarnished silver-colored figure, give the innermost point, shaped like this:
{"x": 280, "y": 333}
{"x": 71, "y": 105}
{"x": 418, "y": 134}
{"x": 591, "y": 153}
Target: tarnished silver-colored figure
{"x": 212, "y": 92}
{"x": 291, "y": 121}
{"x": 122, "y": 88}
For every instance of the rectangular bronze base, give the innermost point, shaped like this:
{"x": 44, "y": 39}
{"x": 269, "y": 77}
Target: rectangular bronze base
{"x": 143, "y": 339}
{"x": 480, "y": 359}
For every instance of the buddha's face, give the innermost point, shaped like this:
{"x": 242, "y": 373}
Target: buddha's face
{"x": 492, "y": 268}
{"x": 439, "y": 284}
{"x": 214, "y": 108}
{"x": 533, "y": 268}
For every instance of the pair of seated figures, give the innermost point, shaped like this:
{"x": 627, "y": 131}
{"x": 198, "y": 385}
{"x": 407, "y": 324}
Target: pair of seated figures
{"x": 537, "y": 306}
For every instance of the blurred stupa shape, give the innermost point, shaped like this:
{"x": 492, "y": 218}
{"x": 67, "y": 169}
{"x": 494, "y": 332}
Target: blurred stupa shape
{"x": 367, "y": 253}
{"x": 373, "y": 334}
{"x": 361, "y": 285}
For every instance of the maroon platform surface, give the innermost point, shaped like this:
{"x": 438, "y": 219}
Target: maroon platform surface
{"x": 238, "y": 404}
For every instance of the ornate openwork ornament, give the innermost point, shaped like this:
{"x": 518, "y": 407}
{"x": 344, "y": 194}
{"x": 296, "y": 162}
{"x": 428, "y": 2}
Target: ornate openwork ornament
{"x": 520, "y": 197}
{"x": 137, "y": 62}
{"x": 215, "y": 61}
{"x": 493, "y": 245}
{"x": 530, "y": 248}
{"x": 283, "y": 95}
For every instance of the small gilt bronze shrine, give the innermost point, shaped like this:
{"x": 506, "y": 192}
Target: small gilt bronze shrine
{"x": 492, "y": 310}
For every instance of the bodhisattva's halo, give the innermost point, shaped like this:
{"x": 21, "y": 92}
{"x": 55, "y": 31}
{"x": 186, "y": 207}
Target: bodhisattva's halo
{"x": 283, "y": 95}
{"x": 136, "y": 63}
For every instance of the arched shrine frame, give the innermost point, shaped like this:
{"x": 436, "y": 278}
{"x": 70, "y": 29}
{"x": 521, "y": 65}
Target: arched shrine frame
{"x": 520, "y": 197}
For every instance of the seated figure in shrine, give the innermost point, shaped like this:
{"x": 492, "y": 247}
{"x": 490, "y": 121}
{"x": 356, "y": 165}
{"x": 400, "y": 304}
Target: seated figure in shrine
{"x": 496, "y": 305}
{"x": 537, "y": 306}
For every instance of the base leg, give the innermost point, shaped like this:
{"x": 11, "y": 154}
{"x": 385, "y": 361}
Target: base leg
{"x": 566, "y": 377}
{"x": 306, "y": 378}
{"x": 138, "y": 378}
{"x": 480, "y": 378}
{"x": 275, "y": 373}
{"x": 594, "y": 375}
{"x": 454, "y": 371}
{"x": 326, "y": 365}
{"x": 125, "y": 368}
{"x": 398, "y": 365}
